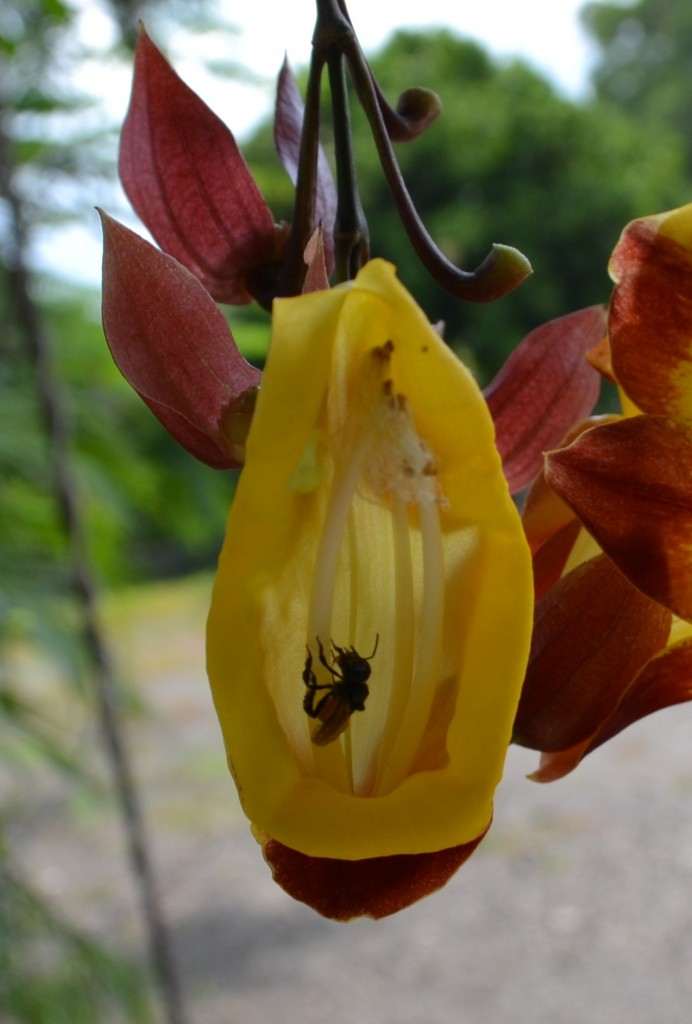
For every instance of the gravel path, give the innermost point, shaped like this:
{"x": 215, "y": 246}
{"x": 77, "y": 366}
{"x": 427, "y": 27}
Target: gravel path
{"x": 576, "y": 908}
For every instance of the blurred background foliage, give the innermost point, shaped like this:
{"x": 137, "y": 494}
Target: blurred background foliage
{"x": 510, "y": 160}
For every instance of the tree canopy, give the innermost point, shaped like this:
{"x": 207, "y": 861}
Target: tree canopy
{"x": 512, "y": 161}
{"x": 645, "y": 62}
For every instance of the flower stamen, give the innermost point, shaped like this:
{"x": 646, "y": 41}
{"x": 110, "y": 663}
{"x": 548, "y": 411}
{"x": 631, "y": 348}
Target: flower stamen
{"x": 357, "y": 446}
{"x": 382, "y": 460}
{"x": 428, "y": 646}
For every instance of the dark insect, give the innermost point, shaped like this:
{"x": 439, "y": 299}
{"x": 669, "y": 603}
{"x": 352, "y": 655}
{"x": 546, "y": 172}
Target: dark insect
{"x": 346, "y": 693}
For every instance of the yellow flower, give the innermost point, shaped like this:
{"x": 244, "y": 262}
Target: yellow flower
{"x": 374, "y": 574}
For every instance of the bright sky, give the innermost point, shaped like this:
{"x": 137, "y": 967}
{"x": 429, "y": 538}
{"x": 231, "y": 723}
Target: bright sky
{"x": 545, "y": 32}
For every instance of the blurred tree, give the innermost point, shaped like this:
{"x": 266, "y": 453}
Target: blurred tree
{"x": 152, "y": 510}
{"x": 645, "y": 62}
{"x": 70, "y": 488}
{"x": 51, "y": 973}
{"x": 511, "y": 161}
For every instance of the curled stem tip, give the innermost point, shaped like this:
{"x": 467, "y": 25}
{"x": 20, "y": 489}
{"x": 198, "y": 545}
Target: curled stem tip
{"x": 500, "y": 272}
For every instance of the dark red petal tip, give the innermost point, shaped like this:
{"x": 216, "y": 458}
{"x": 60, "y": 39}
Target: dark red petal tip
{"x": 375, "y": 887}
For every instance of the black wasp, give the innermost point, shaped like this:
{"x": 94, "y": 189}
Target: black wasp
{"x": 346, "y": 693}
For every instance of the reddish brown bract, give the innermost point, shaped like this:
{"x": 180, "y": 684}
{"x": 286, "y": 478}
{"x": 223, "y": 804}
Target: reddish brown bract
{"x": 186, "y": 178}
{"x": 545, "y": 387}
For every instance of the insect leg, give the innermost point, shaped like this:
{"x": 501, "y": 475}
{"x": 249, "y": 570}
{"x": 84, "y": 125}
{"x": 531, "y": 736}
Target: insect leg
{"x": 310, "y": 680}
{"x": 308, "y": 675}
{"x": 309, "y": 705}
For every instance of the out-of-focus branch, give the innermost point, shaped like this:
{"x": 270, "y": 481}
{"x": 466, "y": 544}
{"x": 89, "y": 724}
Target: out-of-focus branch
{"x": 36, "y": 342}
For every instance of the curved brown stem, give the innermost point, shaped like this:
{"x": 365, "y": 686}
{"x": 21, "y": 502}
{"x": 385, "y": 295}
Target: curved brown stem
{"x": 351, "y": 242}
{"x": 303, "y": 224}
{"x": 501, "y": 270}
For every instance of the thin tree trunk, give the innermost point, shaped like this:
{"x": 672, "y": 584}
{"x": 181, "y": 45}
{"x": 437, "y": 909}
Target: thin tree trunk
{"x": 82, "y": 586}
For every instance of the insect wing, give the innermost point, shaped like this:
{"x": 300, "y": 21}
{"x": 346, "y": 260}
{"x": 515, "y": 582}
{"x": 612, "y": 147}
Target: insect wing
{"x": 334, "y": 717}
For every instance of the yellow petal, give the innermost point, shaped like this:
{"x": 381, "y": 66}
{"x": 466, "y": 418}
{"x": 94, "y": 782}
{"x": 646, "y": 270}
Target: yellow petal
{"x": 371, "y": 513}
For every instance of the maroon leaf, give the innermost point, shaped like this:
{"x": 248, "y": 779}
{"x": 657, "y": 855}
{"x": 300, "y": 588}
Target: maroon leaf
{"x": 288, "y": 126}
{"x": 630, "y": 483}
{"x": 375, "y": 887}
{"x": 185, "y": 177}
{"x": 593, "y": 632}
{"x": 172, "y": 344}
{"x": 545, "y": 386}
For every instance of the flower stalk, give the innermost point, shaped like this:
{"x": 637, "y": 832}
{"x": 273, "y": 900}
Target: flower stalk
{"x": 335, "y": 44}
{"x": 292, "y": 273}
{"x": 351, "y": 241}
